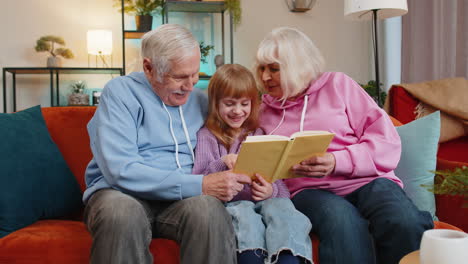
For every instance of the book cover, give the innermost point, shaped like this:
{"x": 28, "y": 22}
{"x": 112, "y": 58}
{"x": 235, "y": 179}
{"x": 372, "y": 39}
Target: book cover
{"x": 272, "y": 156}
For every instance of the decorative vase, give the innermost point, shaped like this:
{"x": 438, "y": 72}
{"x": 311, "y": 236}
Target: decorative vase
{"x": 78, "y": 99}
{"x": 144, "y": 23}
{"x": 54, "y": 62}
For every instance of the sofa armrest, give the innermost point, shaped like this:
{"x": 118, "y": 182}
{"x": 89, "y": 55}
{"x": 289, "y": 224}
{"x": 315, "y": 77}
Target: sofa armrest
{"x": 402, "y": 104}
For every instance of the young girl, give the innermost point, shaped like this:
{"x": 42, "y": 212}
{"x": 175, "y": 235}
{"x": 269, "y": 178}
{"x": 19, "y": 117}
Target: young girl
{"x": 265, "y": 221}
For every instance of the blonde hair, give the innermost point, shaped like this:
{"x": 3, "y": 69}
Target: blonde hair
{"x": 299, "y": 59}
{"x": 231, "y": 80}
{"x": 167, "y": 44}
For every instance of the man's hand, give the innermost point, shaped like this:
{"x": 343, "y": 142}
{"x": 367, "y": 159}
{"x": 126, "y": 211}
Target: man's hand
{"x": 318, "y": 166}
{"x": 229, "y": 160}
{"x": 224, "y": 185}
{"x": 261, "y": 189}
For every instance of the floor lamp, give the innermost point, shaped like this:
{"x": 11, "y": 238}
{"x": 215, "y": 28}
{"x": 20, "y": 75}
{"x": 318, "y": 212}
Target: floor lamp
{"x": 375, "y": 9}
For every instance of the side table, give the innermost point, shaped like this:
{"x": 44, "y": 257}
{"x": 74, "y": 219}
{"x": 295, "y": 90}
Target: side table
{"x": 54, "y": 74}
{"x": 411, "y": 258}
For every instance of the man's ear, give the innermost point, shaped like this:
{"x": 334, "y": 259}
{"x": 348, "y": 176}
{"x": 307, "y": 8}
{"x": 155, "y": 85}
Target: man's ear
{"x": 147, "y": 66}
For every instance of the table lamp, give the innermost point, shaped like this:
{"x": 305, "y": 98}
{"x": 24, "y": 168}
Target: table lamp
{"x": 100, "y": 45}
{"x": 367, "y": 9}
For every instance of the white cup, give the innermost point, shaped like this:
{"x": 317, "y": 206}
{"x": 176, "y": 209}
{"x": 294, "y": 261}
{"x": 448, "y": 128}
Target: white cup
{"x": 444, "y": 246}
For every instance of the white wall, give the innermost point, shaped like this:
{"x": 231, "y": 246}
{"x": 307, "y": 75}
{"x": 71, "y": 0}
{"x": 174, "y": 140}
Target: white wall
{"x": 345, "y": 44}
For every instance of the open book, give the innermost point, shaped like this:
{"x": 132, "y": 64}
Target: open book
{"x": 272, "y": 156}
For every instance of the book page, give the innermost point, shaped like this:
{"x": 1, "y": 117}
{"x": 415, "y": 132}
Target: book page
{"x": 260, "y": 157}
{"x": 265, "y": 138}
{"x": 301, "y": 148}
{"x": 309, "y": 132}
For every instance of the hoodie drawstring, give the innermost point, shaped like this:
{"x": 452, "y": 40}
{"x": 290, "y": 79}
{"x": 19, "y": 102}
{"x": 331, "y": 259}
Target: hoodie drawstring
{"x": 304, "y": 110}
{"x": 173, "y": 137}
{"x": 187, "y": 136}
{"x": 281, "y": 122}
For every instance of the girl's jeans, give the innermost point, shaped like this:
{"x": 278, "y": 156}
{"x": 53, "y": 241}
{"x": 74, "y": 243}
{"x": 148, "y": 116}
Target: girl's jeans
{"x": 377, "y": 223}
{"x": 122, "y": 228}
{"x": 272, "y": 225}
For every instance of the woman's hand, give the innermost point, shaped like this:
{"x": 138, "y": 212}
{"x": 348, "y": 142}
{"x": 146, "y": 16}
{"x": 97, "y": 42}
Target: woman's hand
{"x": 261, "y": 189}
{"x": 229, "y": 160}
{"x": 317, "y": 166}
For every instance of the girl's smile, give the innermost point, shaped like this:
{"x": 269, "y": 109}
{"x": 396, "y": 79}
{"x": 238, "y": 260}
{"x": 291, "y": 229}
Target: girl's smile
{"x": 234, "y": 111}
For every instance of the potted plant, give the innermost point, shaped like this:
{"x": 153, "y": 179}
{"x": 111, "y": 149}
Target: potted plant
{"x": 78, "y": 97}
{"x": 205, "y": 51}
{"x": 451, "y": 182}
{"x": 234, "y": 7}
{"x": 143, "y": 10}
{"x": 47, "y": 43}
{"x": 371, "y": 89}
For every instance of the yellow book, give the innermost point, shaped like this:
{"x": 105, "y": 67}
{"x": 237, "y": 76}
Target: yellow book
{"x": 272, "y": 156}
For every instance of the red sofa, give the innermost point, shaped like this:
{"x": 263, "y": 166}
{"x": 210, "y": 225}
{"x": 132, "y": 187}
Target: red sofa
{"x": 451, "y": 154}
{"x": 67, "y": 240}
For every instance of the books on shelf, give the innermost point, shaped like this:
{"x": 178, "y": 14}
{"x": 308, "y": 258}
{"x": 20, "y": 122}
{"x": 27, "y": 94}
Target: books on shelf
{"x": 272, "y": 156}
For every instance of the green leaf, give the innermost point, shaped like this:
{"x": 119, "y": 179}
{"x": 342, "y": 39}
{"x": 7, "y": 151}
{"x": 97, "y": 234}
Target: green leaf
{"x": 450, "y": 182}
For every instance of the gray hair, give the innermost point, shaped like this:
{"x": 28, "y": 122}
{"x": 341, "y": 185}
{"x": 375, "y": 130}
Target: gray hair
{"x": 167, "y": 44}
{"x": 299, "y": 59}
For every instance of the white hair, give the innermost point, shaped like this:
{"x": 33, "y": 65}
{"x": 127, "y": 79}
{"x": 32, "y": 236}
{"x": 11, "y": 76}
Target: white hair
{"x": 299, "y": 59}
{"x": 167, "y": 44}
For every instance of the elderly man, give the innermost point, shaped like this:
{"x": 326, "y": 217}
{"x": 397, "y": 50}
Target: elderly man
{"x": 139, "y": 182}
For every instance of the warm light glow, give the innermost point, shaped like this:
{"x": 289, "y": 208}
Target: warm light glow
{"x": 99, "y": 42}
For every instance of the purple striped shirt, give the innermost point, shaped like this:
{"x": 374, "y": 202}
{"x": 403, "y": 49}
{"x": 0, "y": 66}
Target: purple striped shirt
{"x": 208, "y": 155}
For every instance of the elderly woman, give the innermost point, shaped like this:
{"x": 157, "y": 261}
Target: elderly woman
{"x": 351, "y": 195}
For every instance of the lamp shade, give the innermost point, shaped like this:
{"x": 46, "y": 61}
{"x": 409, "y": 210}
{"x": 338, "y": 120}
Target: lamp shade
{"x": 99, "y": 42}
{"x": 360, "y": 9}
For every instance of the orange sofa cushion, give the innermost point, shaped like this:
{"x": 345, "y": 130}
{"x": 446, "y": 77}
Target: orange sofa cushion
{"x": 62, "y": 241}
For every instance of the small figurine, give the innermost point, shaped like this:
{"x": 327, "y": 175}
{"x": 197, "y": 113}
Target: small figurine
{"x": 218, "y": 61}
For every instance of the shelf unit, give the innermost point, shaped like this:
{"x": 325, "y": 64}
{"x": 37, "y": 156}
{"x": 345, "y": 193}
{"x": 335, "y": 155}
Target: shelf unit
{"x": 171, "y": 6}
{"x": 54, "y": 78}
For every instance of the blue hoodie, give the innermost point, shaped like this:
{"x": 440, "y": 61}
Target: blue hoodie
{"x": 134, "y": 148}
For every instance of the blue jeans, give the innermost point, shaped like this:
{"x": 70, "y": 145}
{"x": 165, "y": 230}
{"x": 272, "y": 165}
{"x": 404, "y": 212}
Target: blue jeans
{"x": 377, "y": 223}
{"x": 272, "y": 225}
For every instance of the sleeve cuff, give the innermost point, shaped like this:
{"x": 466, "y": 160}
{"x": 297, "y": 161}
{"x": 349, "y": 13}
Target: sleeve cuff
{"x": 217, "y": 165}
{"x": 275, "y": 190}
{"x": 343, "y": 163}
{"x": 191, "y": 185}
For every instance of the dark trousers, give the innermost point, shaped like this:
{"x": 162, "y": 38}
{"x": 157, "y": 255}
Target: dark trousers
{"x": 258, "y": 257}
{"x": 122, "y": 228}
{"x": 377, "y": 223}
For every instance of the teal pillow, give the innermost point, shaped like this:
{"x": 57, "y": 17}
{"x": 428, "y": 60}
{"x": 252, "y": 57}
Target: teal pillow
{"x": 419, "y": 142}
{"x": 35, "y": 181}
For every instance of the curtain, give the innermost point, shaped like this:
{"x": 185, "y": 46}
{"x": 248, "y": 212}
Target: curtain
{"x": 435, "y": 40}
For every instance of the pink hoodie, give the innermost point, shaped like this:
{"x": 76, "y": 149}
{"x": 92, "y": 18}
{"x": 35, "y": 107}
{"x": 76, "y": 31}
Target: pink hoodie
{"x": 366, "y": 144}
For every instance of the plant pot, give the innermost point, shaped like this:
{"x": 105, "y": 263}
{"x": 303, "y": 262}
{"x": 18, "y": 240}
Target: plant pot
{"x": 144, "y": 23}
{"x": 53, "y": 62}
{"x": 78, "y": 99}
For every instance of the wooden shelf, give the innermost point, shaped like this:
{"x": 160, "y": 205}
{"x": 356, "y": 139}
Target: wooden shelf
{"x": 65, "y": 70}
{"x": 132, "y": 34}
{"x": 195, "y": 6}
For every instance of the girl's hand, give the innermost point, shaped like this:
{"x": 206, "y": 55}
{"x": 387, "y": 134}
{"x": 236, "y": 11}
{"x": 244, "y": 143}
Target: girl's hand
{"x": 261, "y": 189}
{"x": 229, "y": 160}
{"x": 318, "y": 166}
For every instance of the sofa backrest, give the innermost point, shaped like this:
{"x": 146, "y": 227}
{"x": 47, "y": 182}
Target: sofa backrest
{"x": 67, "y": 127}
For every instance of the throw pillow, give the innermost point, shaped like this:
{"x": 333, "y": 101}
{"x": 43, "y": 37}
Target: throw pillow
{"x": 35, "y": 181}
{"x": 419, "y": 141}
